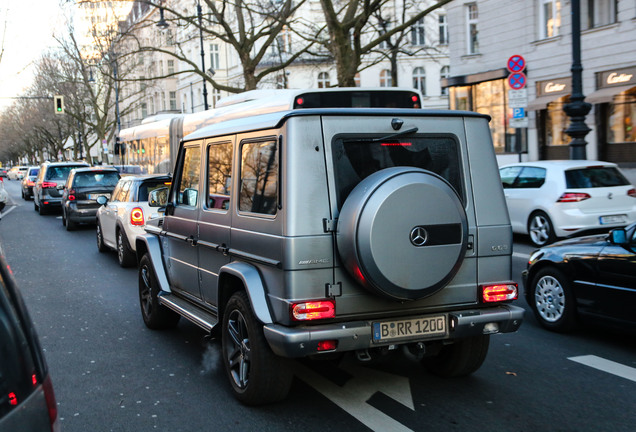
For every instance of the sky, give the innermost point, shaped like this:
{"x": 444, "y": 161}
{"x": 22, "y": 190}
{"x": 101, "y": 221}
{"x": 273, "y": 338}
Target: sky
{"x": 27, "y": 27}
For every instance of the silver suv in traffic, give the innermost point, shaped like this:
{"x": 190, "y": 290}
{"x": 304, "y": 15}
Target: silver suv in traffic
{"x": 341, "y": 230}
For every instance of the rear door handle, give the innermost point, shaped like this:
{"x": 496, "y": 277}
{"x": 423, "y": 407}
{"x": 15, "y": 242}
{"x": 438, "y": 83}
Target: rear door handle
{"x": 192, "y": 240}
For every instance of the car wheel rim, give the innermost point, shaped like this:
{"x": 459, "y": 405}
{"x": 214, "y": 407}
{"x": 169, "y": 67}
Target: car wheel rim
{"x": 145, "y": 292}
{"x": 550, "y": 299}
{"x": 539, "y": 230}
{"x": 238, "y": 349}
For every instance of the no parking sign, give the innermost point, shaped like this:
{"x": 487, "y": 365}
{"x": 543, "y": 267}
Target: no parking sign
{"x": 516, "y": 65}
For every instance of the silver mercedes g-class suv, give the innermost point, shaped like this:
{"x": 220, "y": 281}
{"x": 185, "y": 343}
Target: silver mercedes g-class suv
{"x": 320, "y": 231}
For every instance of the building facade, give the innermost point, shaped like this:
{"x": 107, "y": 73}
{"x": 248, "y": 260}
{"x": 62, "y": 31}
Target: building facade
{"x": 486, "y": 33}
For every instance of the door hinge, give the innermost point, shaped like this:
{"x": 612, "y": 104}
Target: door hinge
{"x": 333, "y": 290}
{"x": 329, "y": 225}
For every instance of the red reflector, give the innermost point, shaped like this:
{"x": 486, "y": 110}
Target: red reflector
{"x": 632, "y": 193}
{"x": 499, "y": 292}
{"x": 313, "y": 310}
{"x": 13, "y": 400}
{"x": 137, "y": 216}
{"x": 34, "y": 379}
{"x": 327, "y": 345}
{"x": 49, "y": 184}
{"x": 573, "y": 197}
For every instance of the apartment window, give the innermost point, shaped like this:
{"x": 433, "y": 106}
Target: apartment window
{"x": 385, "y": 78}
{"x": 418, "y": 33}
{"x": 596, "y": 13}
{"x": 443, "y": 29}
{"x": 550, "y": 18}
{"x": 216, "y": 95}
{"x": 281, "y": 81}
{"x": 170, "y": 67}
{"x": 283, "y": 42}
{"x": 173, "y": 100}
{"x": 385, "y": 27}
{"x": 472, "y": 33}
{"x": 144, "y": 110}
{"x": 356, "y": 80}
{"x": 419, "y": 80}
{"x": 214, "y": 57}
{"x": 444, "y": 73}
{"x": 323, "y": 80}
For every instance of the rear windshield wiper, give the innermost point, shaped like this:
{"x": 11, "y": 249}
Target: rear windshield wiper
{"x": 385, "y": 138}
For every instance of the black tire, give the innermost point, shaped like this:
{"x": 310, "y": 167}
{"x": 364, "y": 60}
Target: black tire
{"x": 155, "y": 316}
{"x": 101, "y": 246}
{"x": 125, "y": 254}
{"x": 41, "y": 210}
{"x": 540, "y": 229}
{"x": 461, "y": 358}
{"x": 69, "y": 224}
{"x": 256, "y": 374}
{"x": 35, "y": 206}
{"x": 552, "y": 301}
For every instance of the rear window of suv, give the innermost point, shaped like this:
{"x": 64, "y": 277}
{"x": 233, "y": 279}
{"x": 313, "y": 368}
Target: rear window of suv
{"x": 96, "y": 178}
{"x": 594, "y": 177}
{"x": 357, "y": 157}
{"x": 60, "y": 172}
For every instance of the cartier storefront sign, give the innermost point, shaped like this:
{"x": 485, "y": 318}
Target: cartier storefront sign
{"x": 558, "y": 86}
{"x": 618, "y": 77}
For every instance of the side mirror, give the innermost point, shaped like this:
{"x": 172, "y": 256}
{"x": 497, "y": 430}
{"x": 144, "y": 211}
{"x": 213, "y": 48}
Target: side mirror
{"x": 158, "y": 197}
{"x": 618, "y": 237}
{"x": 101, "y": 200}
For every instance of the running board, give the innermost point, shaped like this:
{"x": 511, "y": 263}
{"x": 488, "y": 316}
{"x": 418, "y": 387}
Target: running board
{"x": 205, "y": 320}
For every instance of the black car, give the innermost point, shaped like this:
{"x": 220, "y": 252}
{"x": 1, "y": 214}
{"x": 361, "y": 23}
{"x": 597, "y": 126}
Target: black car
{"x": 47, "y": 192}
{"x": 28, "y": 182}
{"x": 82, "y": 188}
{"x": 589, "y": 276}
{"x": 27, "y": 399}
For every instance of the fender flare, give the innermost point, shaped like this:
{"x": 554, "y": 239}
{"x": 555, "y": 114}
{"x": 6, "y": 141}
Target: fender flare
{"x": 150, "y": 244}
{"x": 253, "y": 283}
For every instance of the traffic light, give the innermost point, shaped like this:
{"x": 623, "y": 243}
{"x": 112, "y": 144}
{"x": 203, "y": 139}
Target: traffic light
{"x": 59, "y": 104}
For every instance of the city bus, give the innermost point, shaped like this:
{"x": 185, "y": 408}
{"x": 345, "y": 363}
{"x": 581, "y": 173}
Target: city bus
{"x": 153, "y": 144}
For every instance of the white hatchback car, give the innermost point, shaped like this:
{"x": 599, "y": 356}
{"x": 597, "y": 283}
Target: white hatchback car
{"x": 551, "y": 199}
{"x": 122, "y": 218}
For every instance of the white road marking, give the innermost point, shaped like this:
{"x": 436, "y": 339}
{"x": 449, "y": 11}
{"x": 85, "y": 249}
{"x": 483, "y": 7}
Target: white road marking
{"x": 9, "y": 210}
{"x": 353, "y": 396}
{"x": 606, "y": 366}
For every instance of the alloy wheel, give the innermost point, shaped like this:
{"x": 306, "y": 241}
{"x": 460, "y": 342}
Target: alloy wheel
{"x": 549, "y": 299}
{"x": 238, "y": 353}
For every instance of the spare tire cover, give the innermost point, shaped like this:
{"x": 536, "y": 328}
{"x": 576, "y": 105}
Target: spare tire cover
{"x": 402, "y": 232}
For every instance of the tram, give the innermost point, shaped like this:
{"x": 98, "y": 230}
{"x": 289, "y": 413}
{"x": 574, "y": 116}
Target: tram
{"x": 153, "y": 144}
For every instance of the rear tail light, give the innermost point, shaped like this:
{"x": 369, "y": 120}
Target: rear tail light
{"x": 416, "y": 101}
{"x": 49, "y": 184}
{"x": 137, "y": 216}
{"x": 71, "y": 195}
{"x": 494, "y": 293}
{"x": 313, "y": 310}
{"x": 49, "y": 395}
{"x": 29, "y": 182}
{"x": 573, "y": 197}
{"x": 632, "y": 193}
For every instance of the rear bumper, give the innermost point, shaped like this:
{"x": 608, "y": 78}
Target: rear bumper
{"x": 357, "y": 335}
{"x": 86, "y": 215}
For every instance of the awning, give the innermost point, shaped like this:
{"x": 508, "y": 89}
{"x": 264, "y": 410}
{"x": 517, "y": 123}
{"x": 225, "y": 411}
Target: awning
{"x": 543, "y": 101}
{"x": 606, "y": 94}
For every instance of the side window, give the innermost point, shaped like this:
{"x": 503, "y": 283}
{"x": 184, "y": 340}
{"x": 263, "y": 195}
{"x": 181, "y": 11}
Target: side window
{"x": 116, "y": 192}
{"x": 188, "y": 189}
{"x": 531, "y": 177}
{"x": 508, "y": 176}
{"x": 259, "y": 177}
{"x": 125, "y": 190}
{"x": 219, "y": 176}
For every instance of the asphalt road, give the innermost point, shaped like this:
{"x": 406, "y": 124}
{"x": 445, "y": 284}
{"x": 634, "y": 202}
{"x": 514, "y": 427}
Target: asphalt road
{"x": 111, "y": 373}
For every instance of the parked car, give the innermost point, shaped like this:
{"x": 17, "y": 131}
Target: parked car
{"x": 552, "y": 199}
{"x": 83, "y": 187}
{"x": 122, "y": 218}
{"x": 4, "y": 196}
{"x": 29, "y": 181}
{"x": 47, "y": 192}
{"x": 3, "y": 172}
{"x": 27, "y": 399}
{"x": 17, "y": 172}
{"x": 588, "y": 276}
{"x": 338, "y": 230}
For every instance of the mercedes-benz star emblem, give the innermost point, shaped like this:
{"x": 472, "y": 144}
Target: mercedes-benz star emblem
{"x": 419, "y": 236}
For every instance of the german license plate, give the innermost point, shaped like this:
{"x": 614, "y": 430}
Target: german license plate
{"x": 613, "y": 219}
{"x": 414, "y": 328}
{"x": 95, "y": 196}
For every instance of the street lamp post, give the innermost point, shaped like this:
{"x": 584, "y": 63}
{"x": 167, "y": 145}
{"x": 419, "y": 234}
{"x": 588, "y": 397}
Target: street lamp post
{"x": 205, "y": 90}
{"x": 577, "y": 109}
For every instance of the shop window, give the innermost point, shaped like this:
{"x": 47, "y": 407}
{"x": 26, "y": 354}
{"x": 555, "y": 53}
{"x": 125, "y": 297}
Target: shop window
{"x": 549, "y": 18}
{"x": 621, "y": 115}
{"x": 556, "y": 123}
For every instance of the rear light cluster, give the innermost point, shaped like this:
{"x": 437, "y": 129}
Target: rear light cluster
{"x": 632, "y": 193}
{"x": 71, "y": 195}
{"x": 137, "y": 216}
{"x": 573, "y": 197}
{"x": 493, "y": 293}
{"x": 313, "y": 310}
{"x": 49, "y": 184}
{"x": 30, "y": 183}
